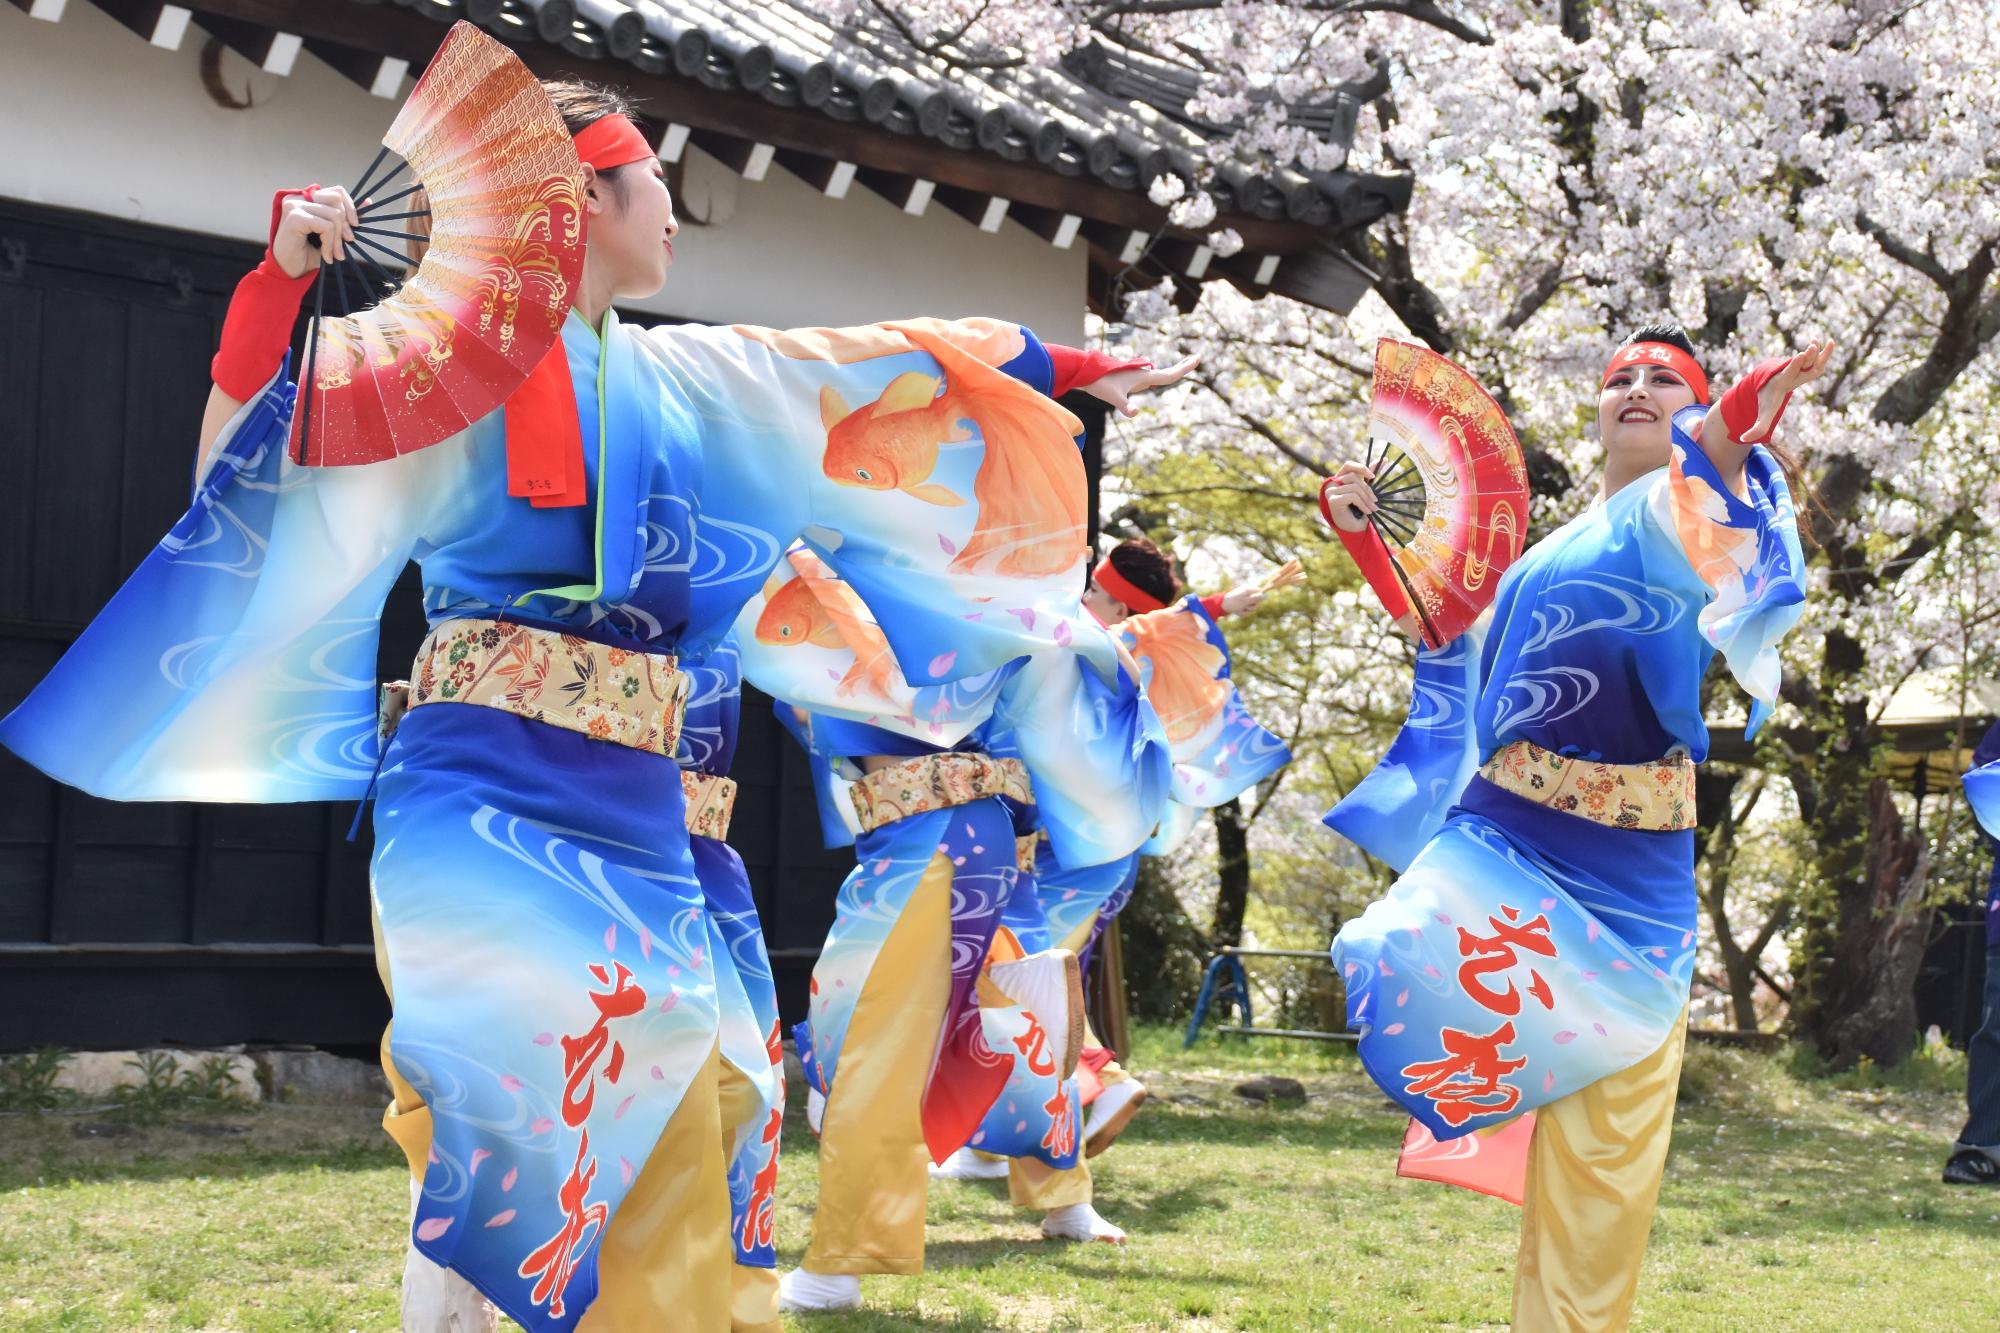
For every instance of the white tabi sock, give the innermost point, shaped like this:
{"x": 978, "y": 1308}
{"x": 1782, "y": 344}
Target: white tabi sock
{"x": 1079, "y": 1221}
{"x": 802, "y": 1291}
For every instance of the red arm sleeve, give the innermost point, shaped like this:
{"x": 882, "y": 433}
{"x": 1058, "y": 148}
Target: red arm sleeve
{"x": 1075, "y": 367}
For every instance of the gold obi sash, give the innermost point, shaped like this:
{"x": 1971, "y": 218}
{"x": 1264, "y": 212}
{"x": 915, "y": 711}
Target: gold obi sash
{"x": 1024, "y": 852}
{"x": 935, "y": 782}
{"x": 1656, "y": 797}
{"x": 608, "y": 694}
{"x": 711, "y": 799}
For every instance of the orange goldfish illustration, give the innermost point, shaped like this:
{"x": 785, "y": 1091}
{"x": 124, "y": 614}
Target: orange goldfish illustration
{"x": 1185, "y": 689}
{"x": 892, "y": 443}
{"x": 1030, "y": 489}
{"x": 820, "y": 610}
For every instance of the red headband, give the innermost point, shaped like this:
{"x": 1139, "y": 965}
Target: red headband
{"x": 1665, "y": 355}
{"x": 613, "y": 141}
{"x": 1107, "y": 577}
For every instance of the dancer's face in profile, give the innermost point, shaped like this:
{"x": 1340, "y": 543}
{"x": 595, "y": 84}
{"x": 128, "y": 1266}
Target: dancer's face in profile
{"x": 1108, "y": 609}
{"x": 1635, "y": 413}
{"x": 632, "y": 227}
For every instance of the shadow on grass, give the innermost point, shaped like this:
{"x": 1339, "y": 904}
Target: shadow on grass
{"x": 59, "y": 1149}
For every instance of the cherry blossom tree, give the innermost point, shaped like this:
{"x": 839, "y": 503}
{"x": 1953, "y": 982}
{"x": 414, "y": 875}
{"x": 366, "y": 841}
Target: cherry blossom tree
{"x": 1763, "y": 172}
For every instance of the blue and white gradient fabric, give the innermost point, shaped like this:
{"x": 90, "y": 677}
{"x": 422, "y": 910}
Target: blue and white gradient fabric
{"x": 533, "y": 884}
{"x": 1525, "y": 952}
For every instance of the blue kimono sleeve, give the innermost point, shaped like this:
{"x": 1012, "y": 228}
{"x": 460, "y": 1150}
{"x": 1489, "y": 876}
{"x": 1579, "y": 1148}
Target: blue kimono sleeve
{"x": 1403, "y": 802}
{"x": 1746, "y": 550}
{"x": 1219, "y": 750}
{"x": 919, "y": 459}
{"x": 238, "y": 661}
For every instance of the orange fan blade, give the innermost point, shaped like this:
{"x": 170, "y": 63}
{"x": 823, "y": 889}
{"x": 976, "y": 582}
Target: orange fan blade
{"x": 488, "y": 299}
{"x": 1451, "y": 485}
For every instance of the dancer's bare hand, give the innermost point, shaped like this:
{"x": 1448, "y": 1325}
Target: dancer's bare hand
{"x": 1348, "y": 496}
{"x": 1805, "y": 367}
{"x": 1238, "y": 601}
{"x": 1121, "y": 386}
{"x": 329, "y": 215}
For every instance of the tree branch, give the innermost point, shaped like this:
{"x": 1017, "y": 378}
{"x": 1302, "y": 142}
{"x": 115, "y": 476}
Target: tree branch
{"x": 1420, "y": 11}
{"x": 1264, "y": 432}
{"x": 1902, "y": 252}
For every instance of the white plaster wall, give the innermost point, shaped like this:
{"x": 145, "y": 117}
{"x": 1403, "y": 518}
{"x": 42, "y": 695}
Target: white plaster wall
{"x": 93, "y": 118}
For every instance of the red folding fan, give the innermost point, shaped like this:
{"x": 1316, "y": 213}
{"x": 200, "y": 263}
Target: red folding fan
{"x": 1450, "y": 486}
{"x": 458, "y": 333}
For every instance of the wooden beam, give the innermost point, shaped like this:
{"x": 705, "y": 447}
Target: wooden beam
{"x": 272, "y": 50}
{"x": 1267, "y": 269}
{"x": 396, "y": 31}
{"x": 747, "y": 158}
{"x": 673, "y": 142}
{"x": 49, "y": 11}
{"x": 161, "y": 25}
{"x": 381, "y": 75}
{"x": 830, "y": 178}
{"x": 1058, "y": 229}
{"x": 982, "y": 210}
{"x": 912, "y": 194}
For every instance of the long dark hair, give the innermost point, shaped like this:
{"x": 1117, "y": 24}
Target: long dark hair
{"x": 1805, "y": 496}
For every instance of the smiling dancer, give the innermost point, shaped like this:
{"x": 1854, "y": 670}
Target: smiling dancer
{"x": 1535, "y": 954}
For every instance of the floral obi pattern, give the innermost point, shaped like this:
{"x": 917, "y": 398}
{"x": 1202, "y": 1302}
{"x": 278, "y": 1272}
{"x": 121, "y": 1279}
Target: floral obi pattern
{"x": 711, "y": 799}
{"x": 935, "y": 782}
{"x": 1024, "y": 851}
{"x": 609, "y": 694}
{"x": 1657, "y": 797}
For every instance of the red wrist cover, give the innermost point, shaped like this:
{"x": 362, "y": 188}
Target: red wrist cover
{"x": 1371, "y": 556}
{"x": 1213, "y": 605}
{"x": 1075, "y": 367}
{"x": 258, "y": 329}
{"x": 1739, "y": 405}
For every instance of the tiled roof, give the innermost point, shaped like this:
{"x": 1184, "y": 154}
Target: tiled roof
{"x": 1112, "y": 115}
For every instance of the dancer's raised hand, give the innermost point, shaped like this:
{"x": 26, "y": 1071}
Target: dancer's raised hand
{"x": 1119, "y": 387}
{"x": 1347, "y": 498}
{"x": 324, "y": 213}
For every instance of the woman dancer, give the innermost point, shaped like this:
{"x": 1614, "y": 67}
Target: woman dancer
{"x": 560, "y": 1047}
{"x": 1219, "y": 751}
{"x": 901, "y": 1061}
{"x": 1535, "y": 954}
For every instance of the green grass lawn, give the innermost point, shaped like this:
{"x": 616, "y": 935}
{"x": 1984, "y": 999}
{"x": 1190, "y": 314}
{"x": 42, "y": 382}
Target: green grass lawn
{"x": 1788, "y": 1205}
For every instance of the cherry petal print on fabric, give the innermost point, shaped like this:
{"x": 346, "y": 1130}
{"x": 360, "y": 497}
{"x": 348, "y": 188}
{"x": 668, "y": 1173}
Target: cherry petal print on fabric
{"x": 977, "y": 842}
{"x": 556, "y": 987}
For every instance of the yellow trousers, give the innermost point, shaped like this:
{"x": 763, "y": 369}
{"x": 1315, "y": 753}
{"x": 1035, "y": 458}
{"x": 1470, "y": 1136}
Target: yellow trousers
{"x": 1593, "y": 1178}
{"x": 874, "y": 1168}
{"x": 665, "y": 1262}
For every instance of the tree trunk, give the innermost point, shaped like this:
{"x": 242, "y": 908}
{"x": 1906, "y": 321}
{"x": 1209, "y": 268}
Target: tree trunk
{"x": 1232, "y": 874}
{"x": 1864, "y": 942}
{"x": 1716, "y": 843}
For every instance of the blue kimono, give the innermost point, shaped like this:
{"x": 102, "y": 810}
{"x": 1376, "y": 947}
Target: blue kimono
{"x": 559, "y": 975}
{"x": 1527, "y": 952}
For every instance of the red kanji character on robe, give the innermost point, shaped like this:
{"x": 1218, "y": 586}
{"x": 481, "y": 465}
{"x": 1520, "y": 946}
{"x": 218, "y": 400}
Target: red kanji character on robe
{"x": 1498, "y": 952}
{"x": 1060, "y": 1141}
{"x": 554, "y": 1262}
{"x": 757, "y": 1219}
{"x": 1466, "y": 1082}
{"x": 1034, "y": 1043}
{"x": 625, "y": 998}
